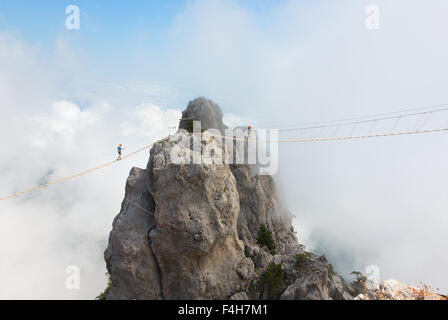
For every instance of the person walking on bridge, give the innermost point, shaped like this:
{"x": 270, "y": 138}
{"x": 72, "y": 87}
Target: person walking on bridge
{"x": 120, "y": 148}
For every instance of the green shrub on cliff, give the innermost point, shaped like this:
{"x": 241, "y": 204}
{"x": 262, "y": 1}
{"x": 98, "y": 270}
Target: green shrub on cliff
{"x": 265, "y": 239}
{"x": 273, "y": 280}
{"x": 301, "y": 258}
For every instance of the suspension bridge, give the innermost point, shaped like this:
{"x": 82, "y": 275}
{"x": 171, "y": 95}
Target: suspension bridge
{"x": 424, "y": 120}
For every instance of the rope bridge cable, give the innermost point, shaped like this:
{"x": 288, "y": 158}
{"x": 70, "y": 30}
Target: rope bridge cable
{"x": 330, "y": 123}
{"x": 46, "y": 185}
{"x": 226, "y": 137}
{"x": 338, "y": 123}
{"x": 376, "y": 135}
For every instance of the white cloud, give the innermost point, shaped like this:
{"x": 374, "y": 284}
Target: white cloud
{"x": 155, "y": 121}
{"x": 233, "y": 121}
{"x": 46, "y": 138}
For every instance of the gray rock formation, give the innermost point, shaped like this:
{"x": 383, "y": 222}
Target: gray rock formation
{"x": 196, "y": 242}
{"x": 239, "y": 296}
{"x": 129, "y": 256}
{"x": 260, "y": 206}
{"x": 209, "y": 231}
{"x": 312, "y": 278}
{"x": 204, "y": 110}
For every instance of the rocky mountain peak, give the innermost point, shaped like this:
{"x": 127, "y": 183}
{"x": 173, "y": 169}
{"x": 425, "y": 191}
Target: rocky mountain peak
{"x": 205, "y": 111}
{"x": 209, "y": 231}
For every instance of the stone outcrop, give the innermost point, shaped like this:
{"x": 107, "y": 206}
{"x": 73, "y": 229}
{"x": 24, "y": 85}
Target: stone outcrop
{"x": 130, "y": 259}
{"x": 209, "y": 230}
{"x": 196, "y": 242}
{"x": 204, "y": 110}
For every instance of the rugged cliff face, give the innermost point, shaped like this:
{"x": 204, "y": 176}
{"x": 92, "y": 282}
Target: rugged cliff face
{"x": 209, "y": 230}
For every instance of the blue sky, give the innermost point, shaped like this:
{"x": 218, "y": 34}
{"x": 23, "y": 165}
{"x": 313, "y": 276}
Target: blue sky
{"x": 131, "y": 42}
{"x": 42, "y": 21}
{"x": 108, "y": 27}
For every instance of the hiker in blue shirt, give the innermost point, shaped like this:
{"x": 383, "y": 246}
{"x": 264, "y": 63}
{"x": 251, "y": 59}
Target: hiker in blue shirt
{"x": 120, "y": 147}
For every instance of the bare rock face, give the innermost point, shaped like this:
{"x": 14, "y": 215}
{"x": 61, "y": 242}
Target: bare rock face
{"x": 209, "y": 230}
{"x": 312, "y": 278}
{"x": 196, "y": 241}
{"x": 260, "y": 206}
{"x": 129, "y": 256}
{"x": 204, "y": 110}
{"x": 239, "y": 296}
